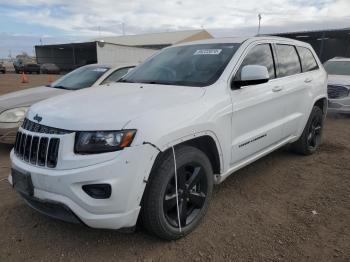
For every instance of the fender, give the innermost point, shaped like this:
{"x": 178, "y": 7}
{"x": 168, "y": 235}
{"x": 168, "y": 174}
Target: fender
{"x": 321, "y": 96}
{"x": 188, "y": 137}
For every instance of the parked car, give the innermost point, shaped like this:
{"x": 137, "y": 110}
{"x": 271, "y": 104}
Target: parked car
{"x": 155, "y": 143}
{"x": 13, "y": 106}
{"x": 28, "y": 68}
{"x": 338, "y": 70}
{"x": 2, "y": 68}
{"x": 49, "y": 68}
{"x": 18, "y": 65}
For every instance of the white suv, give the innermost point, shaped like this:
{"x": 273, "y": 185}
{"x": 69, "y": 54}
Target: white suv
{"x": 153, "y": 145}
{"x": 338, "y": 70}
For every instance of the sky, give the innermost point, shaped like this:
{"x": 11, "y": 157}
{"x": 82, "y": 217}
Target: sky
{"x": 25, "y": 23}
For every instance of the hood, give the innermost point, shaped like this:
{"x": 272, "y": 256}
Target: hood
{"x": 339, "y": 80}
{"x": 28, "y": 97}
{"x": 110, "y": 107}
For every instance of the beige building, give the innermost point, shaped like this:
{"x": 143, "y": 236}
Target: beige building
{"x": 128, "y": 49}
{"x": 158, "y": 40}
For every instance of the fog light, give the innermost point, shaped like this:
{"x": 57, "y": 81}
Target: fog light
{"x": 98, "y": 191}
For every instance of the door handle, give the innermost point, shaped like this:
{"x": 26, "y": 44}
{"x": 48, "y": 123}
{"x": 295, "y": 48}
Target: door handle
{"x": 308, "y": 80}
{"x": 277, "y": 89}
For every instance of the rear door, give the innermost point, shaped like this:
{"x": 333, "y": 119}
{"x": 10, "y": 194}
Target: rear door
{"x": 295, "y": 72}
{"x": 258, "y": 110}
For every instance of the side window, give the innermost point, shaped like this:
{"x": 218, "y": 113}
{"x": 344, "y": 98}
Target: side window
{"x": 259, "y": 55}
{"x": 116, "y": 75}
{"x": 308, "y": 61}
{"x": 288, "y": 60}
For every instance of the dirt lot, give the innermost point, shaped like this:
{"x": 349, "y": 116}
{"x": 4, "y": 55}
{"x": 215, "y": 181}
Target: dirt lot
{"x": 284, "y": 207}
{"x": 11, "y": 82}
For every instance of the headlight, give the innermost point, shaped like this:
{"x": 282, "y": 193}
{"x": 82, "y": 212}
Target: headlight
{"x": 94, "y": 142}
{"x": 13, "y": 115}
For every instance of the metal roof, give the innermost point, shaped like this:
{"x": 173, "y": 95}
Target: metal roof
{"x": 166, "y": 38}
{"x": 329, "y": 32}
{"x": 224, "y": 40}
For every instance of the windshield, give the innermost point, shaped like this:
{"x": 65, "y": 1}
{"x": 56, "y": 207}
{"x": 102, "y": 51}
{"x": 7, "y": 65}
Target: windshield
{"x": 80, "y": 78}
{"x": 190, "y": 65}
{"x": 338, "y": 67}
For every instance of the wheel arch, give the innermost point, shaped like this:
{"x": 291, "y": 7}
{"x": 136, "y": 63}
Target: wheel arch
{"x": 322, "y": 103}
{"x": 205, "y": 141}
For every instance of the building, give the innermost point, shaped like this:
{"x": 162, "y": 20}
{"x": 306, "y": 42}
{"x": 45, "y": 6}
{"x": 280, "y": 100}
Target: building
{"x": 113, "y": 50}
{"x": 327, "y": 43}
{"x": 159, "y": 40}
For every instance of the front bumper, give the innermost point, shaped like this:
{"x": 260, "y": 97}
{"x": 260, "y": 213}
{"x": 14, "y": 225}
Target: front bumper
{"x": 339, "y": 105}
{"x": 126, "y": 174}
{"x": 52, "y": 209}
{"x": 8, "y": 132}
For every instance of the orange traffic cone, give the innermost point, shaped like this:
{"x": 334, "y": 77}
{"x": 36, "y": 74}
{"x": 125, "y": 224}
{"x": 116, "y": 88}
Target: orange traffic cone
{"x": 24, "y": 78}
{"x": 50, "y": 79}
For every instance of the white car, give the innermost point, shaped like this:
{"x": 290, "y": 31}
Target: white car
{"x": 338, "y": 70}
{"x": 154, "y": 144}
{"x": 13, "y": 106}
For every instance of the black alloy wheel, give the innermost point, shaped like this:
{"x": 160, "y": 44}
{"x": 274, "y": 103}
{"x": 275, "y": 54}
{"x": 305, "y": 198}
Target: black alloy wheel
{"x": 310, "y": 139}
{"x": 161, "y": 214}
{"x": 314, "y": 137}
{"x": 192, "y": 191}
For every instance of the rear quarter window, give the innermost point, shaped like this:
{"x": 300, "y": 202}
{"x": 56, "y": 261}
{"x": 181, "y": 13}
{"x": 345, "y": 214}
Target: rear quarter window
{"x": 288, "y": 60}
{"x": 308, "y": 61}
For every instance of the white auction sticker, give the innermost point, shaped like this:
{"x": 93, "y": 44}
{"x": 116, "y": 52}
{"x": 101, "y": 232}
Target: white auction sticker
{"x": 100, "y": 69}
{"x": 208, "y": 52}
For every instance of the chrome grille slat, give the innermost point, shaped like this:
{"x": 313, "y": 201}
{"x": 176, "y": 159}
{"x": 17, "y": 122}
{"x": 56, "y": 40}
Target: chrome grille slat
{"x": 42, "y": 151}
{"x": 27, "y": 146}
{"x": 52, "y": 153}
{"x": 337, "y": 91}
{"x": 34, "y": 150}
{"x": 18, "y": 135}
{"x": 18, "y": 142}
{"x": 22, "y": 145}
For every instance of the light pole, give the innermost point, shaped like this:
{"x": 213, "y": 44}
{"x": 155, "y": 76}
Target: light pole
{"x": 123, "y": 28}
{"x": 259, "y": 17}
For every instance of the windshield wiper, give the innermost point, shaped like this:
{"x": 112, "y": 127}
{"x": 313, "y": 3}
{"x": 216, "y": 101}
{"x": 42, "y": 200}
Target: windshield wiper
{"x": 156, "y": 82}
{"x": 124, "y": 81}
{"x": 61, "y": 87}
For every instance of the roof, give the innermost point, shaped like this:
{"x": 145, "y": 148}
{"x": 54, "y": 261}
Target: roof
{"x": 166, "y": 38}
{"x": 242, "y": 39}
{"x": 340, "y": 59}
{"x": 333, "y": 33}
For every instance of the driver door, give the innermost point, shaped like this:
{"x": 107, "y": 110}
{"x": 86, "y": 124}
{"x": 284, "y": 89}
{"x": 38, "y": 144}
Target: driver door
{"x": 258, "y": 110}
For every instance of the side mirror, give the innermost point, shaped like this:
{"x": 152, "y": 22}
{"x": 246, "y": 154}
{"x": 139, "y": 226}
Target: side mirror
{"x": 252, "y": 75}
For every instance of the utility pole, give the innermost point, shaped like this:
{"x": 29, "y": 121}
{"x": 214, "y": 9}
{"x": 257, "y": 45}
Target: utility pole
{"x": 99, "y": 31}
{"x": 259, "y": 17}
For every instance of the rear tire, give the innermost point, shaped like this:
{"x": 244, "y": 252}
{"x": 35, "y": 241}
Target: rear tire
{"x": 310, "y": 139}
{"x": 195, "y": 184}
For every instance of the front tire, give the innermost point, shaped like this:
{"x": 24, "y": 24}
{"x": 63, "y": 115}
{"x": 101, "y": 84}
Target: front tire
{"x": 159, "y": 212}
{"x": 310, "y": 139}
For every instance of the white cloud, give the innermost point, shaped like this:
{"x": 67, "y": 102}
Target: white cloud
{"x": 88, "y": 16}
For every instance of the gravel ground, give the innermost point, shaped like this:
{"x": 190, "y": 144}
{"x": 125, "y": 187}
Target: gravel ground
{"x": 284, "y": 207}
{"x": 11, "y": 82}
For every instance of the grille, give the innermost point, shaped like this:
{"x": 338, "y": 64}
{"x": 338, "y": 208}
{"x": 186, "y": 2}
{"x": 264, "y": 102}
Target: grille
{"x": 41, "y": 151}
{"x": 38, "y": 128}
{"x": 335, "y": 91}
